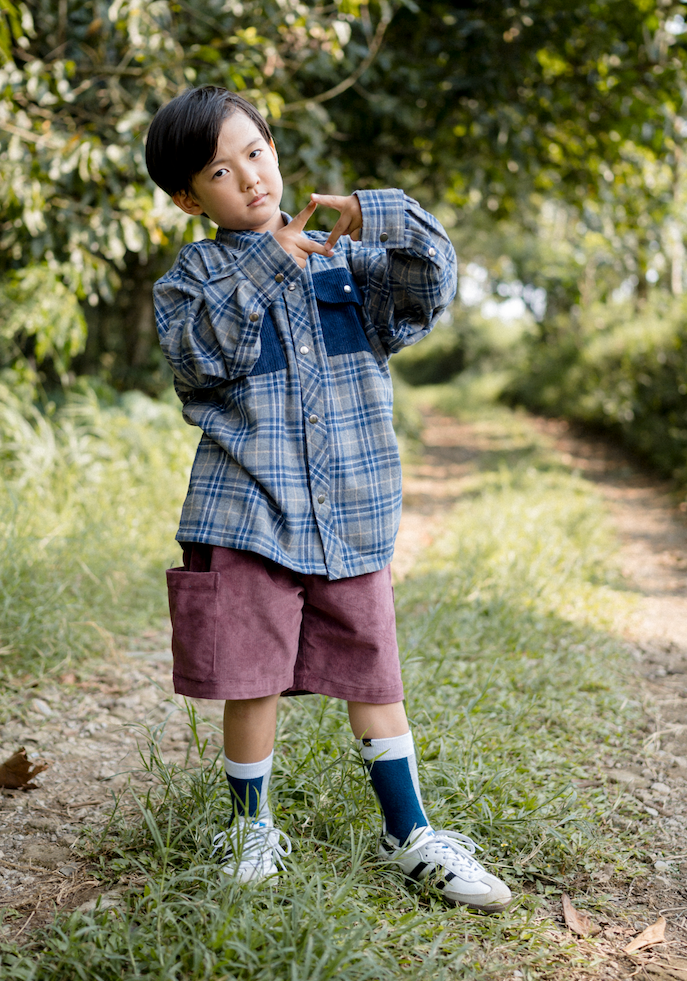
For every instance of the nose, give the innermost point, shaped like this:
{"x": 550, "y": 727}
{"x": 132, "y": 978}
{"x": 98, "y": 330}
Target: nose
{"x": 248, "y": 177}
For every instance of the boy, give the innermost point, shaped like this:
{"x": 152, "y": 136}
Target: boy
{"x": 279, "y": 342}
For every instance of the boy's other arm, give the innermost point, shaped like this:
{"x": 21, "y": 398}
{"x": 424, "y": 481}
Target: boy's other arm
{"x": 402, "y": 259}
{"x": 210, "y": 306}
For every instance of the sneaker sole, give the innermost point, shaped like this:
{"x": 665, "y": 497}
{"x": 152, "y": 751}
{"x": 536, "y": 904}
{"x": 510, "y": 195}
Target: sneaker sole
{"x": 468, "y": 904}
{"x": 491, "y": 908}
{"x": 254, "y": 876}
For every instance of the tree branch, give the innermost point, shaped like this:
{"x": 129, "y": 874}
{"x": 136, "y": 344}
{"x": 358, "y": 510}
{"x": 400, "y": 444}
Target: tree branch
{"x": 375, "y": 44}
{"x": 40, "y": 139}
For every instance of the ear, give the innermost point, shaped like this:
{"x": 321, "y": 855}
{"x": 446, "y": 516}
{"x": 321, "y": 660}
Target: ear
{"x": 274, "y": 150}
{"x": 186, "y": 201}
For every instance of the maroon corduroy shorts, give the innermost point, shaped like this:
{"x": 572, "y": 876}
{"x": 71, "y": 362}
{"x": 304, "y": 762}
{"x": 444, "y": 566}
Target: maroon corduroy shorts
{"x": 245, "y": 627}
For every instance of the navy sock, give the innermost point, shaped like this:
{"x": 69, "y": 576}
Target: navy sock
{"x": 393, "y": 772}
{"x": 249, "y": 784}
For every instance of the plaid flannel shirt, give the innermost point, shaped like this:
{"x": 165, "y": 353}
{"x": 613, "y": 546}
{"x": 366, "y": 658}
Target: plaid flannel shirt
{"x": 285, "y": 371}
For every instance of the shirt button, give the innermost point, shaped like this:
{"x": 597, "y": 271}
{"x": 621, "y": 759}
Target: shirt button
{"x": 320, "y": 498}
{"x": 431, "y": 252}
{"x": 313, "y": 420}
{"x": 291, "y": 287}
{"x": 279, "y": 278}
{"x": 304, "y": 349}
{"x": 253, "y": 317}
{"x": 347, "y": 288}
{"x": 384, "y": 237}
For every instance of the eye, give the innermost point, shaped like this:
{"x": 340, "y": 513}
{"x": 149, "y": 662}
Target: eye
{"x": 255, "y": 153}
{"x": 220, "y": 173}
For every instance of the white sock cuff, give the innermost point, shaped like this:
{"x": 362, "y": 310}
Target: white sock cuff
{"x": 248, "y": 771}
{"x": 394, "y": 748}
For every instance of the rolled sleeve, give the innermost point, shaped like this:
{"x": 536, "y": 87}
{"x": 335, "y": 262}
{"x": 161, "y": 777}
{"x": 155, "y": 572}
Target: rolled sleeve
{"x": 383, "y": 218}
{"x": 407, "y": 265}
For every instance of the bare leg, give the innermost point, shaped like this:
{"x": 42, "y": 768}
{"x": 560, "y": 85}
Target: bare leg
{"x": 377, "y": 721}
{"x": 250, "y": 726}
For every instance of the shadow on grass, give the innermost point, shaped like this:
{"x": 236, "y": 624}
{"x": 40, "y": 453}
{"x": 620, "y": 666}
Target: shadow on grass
{"x": 516, "y": 688}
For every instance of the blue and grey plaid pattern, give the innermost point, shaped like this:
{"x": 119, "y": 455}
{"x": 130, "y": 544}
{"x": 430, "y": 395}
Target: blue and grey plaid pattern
{"x": 285, "y": 370}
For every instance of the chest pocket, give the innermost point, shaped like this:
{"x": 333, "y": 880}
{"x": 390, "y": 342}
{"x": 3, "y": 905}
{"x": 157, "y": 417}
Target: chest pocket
{"x": 339, "y": 303}
{"x": 272, "y": 357}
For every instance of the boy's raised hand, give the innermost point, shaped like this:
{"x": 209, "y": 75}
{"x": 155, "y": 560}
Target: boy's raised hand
{"x": 293, "y": 241}
{"x": 351, "y": 220}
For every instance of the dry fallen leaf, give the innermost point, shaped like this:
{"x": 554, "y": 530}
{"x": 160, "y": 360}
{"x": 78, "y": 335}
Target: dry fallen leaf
{"x": 578, "y": 922}
{"x": 654, "y": 934}
{"x": 18, "y": 771}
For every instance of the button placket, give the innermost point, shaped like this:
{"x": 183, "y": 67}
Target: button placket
{"x": 313, "y": 408}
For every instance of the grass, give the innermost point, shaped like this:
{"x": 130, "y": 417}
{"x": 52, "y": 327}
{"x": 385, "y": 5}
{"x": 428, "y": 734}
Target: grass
{"x": 516, "y": 687}
{"x": 89, "y": 500}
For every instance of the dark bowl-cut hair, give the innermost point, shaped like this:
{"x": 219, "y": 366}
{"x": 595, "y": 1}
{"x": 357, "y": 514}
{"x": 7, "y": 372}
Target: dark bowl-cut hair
{"x": 183, "y": 135}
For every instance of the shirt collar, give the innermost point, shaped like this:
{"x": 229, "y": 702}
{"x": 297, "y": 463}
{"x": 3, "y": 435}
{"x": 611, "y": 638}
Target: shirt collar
{"x": 239, "y": 240}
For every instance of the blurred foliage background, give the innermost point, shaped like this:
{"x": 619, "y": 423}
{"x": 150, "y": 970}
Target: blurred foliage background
{"x": 547, "y": 135}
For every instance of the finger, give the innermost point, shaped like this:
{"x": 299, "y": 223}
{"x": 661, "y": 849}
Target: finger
{"x": 355, "y": 234}
{"x": 298, "y": 223}
{"x": 341, "y": 228}
{"x": 335, "y": 201}
{"x": 309, "y": 246}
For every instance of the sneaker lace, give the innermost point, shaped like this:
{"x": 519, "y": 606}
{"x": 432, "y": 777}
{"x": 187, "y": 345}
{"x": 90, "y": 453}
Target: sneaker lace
{"x": 453, "y": 851}
{"x": 254, "y": 839}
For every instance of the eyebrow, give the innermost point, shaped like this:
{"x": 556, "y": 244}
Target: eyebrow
{"x": 217, "y": 160}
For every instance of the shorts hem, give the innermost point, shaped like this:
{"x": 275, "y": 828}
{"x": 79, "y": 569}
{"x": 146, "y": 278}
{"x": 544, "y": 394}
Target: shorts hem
{"x": 350, "y": 693}
{"x": 225, "y": 691}
{"x": 229, "y": 692}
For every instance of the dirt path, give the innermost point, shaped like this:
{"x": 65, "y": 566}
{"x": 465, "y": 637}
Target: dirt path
{"x": 92, "y": 729}
{"x": 653, "y": 560}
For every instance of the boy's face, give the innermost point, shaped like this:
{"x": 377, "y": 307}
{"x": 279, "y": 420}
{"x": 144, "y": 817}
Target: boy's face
{"x": 241, "y": 187}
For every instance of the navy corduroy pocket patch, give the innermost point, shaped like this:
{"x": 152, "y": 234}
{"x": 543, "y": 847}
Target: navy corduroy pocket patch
{"x": 339, "y": 302}
{"x": 272, "y": 357}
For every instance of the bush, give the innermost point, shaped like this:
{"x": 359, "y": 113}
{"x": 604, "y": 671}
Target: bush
{"x": 463, "y": 340}
{"x": 612, "y": 367}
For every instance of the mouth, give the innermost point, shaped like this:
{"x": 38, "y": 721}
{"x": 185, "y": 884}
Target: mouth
{"x": 257, "y": 200}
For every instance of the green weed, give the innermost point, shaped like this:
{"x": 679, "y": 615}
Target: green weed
{"x": 515, "y": 688}
{"x": 89, "y": 500}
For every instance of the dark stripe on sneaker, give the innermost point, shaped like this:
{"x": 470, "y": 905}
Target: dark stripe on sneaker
{"x": 418, "y": 870}
{"x": 449, "y": 876}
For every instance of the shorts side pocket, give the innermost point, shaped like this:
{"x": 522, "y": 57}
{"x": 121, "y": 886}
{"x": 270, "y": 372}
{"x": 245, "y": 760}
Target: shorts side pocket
{"x": 193, "y": 607}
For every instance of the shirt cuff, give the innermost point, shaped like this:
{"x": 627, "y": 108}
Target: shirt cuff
{"x": 383, "y": 218}
{"x": 268, "y": 266}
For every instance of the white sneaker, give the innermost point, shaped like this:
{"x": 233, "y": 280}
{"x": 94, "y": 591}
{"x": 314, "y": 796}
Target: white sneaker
{"x": 447, "y": 855}
{"x": 251, "y": 850}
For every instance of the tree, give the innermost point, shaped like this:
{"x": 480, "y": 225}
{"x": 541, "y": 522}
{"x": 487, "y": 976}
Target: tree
{"x": 473, "y": 97}
{"x": 80, "y": 83}
{"x": 483, "y": 106}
